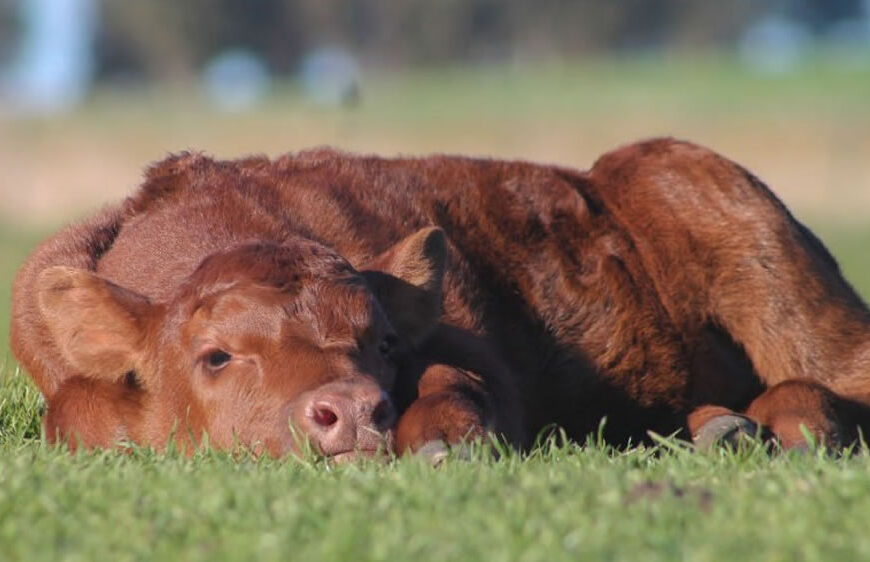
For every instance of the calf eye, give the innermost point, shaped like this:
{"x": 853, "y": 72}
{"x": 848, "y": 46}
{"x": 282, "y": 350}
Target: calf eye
{"x": 387, "y": 346}
{"x": 217, "y": 359}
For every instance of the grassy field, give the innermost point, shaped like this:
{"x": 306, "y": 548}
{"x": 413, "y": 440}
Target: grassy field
{"x": 806, "y": 133}
{"x": 564, "y": 502}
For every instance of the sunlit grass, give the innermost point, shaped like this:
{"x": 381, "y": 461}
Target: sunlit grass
{"x": 805, "y": 133}
{"x": 563, "y": 501}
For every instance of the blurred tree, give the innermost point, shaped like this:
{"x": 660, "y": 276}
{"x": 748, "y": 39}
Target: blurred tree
{"x": 708, "y": 24}
{"x": 171, "y": 40}
{"x": 9, "y": 29}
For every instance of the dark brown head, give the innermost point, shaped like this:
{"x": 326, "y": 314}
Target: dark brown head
{"x": 262, "y": 346}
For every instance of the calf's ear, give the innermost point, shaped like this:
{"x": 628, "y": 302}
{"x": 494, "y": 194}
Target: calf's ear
{"x": 98, "y": 327}
{"x": 407, "y": 280}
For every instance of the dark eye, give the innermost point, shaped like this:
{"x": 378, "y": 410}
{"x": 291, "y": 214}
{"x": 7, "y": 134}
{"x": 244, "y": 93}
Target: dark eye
{"x": 387, "y": 346}
{"x": 217, "y": 359}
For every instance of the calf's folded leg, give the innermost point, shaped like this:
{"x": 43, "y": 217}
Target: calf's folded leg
{"x": 452, "y": 407}
{"x": 723, "y": 251}
{"x": 786, "y": 412}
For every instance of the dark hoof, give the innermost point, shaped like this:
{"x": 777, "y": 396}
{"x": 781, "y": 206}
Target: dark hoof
{"x": 725, "y": 430}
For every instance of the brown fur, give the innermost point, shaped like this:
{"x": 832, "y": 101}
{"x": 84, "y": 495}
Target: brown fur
{"x": 664, "y": 281}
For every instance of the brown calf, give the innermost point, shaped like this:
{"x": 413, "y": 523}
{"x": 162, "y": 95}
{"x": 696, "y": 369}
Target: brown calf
{"x": 666, "y": 288}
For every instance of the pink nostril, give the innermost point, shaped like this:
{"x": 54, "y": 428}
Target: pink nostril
{"x": 324, "y": 416}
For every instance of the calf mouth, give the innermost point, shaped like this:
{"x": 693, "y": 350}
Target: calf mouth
{"x": 381, "y": 450}
{"x": 357, "y": 454}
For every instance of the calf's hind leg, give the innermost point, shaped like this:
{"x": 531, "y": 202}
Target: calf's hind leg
{"x": 784, "y": 413}
{"x": 795, "y": 406}
{"x": 722, "y": 250}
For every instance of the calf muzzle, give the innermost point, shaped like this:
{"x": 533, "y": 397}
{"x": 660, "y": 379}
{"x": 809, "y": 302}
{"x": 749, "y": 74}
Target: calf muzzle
{"x": 346, "y": 419}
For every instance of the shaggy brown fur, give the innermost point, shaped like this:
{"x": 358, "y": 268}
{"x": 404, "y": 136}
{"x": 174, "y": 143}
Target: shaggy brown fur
{"x": 664, "y": 288}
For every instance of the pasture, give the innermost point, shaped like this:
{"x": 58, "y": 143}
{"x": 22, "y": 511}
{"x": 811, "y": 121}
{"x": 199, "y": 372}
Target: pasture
{"x": 805, "y": 133}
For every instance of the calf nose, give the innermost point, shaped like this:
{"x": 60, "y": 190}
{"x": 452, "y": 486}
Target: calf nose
{"x": 344, "y": 418}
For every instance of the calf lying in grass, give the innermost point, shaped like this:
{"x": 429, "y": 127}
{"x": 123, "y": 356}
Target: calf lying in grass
{"x": 362, "y": 304}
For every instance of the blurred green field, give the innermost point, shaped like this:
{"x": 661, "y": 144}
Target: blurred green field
{"x": 807, "y": 134}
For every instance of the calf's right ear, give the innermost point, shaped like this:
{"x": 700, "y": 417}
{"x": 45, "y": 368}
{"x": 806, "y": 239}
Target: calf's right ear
{"x": 99, "y": 327}
{"x": 407, "y": 280}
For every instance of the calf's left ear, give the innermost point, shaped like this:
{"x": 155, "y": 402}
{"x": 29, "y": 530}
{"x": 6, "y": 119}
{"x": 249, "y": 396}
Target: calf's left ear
{"x": 407, "y": 280}
{"x": 98, "y": 327}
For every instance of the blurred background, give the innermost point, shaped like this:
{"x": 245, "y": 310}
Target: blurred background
{"x": 93, "y": 90}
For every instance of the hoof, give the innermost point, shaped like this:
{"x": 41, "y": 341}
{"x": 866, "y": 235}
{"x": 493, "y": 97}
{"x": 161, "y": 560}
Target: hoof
{"x": 726, "y": 429}
{"x": 434, "y": 452}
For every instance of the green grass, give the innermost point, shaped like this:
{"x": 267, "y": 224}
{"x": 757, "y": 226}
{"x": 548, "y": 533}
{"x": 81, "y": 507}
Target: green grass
{"x": 564, "y": 502}
{"x": 15, "y": 245}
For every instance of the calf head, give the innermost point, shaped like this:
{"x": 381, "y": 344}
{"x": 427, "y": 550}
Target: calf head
{"x": 264, "y": 345}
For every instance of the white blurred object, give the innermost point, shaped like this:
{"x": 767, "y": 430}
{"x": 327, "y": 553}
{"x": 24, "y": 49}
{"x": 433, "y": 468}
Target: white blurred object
{"x": 54, "y": 67}
{"x": 774, "y": 44}
{"x": 331, "y": 76}
{"x": 236, "y": 80}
